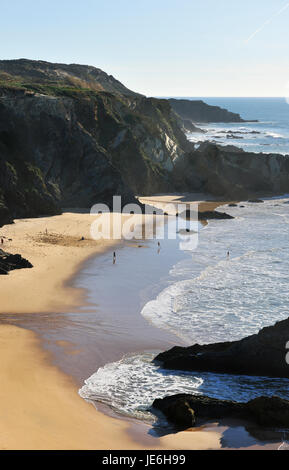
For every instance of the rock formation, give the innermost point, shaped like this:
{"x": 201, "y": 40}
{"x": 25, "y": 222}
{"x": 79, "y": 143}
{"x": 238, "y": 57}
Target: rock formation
{"x": 9, "y": 262}
{"x": 72, "y": 136}
{"x": 262, "y": 354}
{"x": 231, "y": 173}
{"x": 206, "y": 215}
{"x": 185, "y": 411}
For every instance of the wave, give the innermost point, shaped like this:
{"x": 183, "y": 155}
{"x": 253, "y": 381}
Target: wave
{"x": 209, "y": 298}
{"x": 217, "y": 299}
{"x": 130, "y": 386}
{"x": 275, "y": 135}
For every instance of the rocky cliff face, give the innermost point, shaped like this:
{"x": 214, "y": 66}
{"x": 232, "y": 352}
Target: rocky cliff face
{"x": 71, "y": 136}
{"x": 229, "y": 172}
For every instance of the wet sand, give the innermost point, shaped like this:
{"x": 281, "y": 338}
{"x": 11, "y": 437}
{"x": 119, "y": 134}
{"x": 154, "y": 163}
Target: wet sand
{"x": 98, "y": 321}
{"x": 40, "y": 407}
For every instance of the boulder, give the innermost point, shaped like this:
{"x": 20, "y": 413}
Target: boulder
{"x": 9, "y": 262}
{"x": 262, "y": 354}
{"x": 186, "y": 411}
{"x": 206, "y": 215}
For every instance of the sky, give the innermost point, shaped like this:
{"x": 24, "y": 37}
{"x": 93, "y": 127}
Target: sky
{"x": 159, "y": 47}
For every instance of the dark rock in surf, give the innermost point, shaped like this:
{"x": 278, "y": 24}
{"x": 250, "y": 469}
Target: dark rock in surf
{"x": 186, "y": 411}
{"x": 262, "y": 354}
{"x": 206, "y": 215}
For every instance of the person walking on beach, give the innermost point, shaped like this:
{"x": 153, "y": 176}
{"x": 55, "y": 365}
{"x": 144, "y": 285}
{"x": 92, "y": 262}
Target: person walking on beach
{"x": 228, "y": 255}
{"x": 114, "y": 257}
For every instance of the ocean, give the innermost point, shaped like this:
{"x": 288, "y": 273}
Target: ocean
{"x": 269, "y": 135}
{"x": 208, "y": 298}
{"x": 205, "y": 297}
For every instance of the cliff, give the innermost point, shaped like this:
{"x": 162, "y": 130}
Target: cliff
{"x": 231, "y": 173}
{"x": 71, "y": 136}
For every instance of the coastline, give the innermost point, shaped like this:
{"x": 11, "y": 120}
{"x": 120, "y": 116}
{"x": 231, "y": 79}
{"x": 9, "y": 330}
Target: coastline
{"x": 40, "y": 407}
{"x": 53, "y": 416}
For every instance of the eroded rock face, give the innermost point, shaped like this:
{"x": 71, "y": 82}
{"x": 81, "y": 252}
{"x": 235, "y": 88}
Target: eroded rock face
{"x": 231, "y": 173}
{"x": 262, "y": 354}
{"x": 186, "y": 411}
{"x": 72, "y": 136}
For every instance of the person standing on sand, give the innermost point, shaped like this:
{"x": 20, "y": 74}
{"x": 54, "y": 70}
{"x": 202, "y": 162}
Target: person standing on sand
{"x": 114, "y": 257}
{"x": 228, "y": 255}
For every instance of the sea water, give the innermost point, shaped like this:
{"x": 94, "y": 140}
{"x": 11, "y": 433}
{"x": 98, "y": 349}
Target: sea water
{"x": 208, "y": 298}
{"x": 269, "y": 135}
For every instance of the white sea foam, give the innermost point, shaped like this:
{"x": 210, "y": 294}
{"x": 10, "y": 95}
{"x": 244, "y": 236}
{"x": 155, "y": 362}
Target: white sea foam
{"x": 275, "y": 135}
{"x": 222, "y": 299}
{"x": 130, "y": 385}
{"x": 210, "y": 298}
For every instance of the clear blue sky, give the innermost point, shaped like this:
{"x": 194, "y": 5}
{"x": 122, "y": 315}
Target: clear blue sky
{"x": 159, "y": 47}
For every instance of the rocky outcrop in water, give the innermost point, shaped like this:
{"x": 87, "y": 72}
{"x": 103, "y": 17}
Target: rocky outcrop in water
{"x": 185, "y": 411}
{"x": 207, "y": 215}
{"x": 262, "y": 354}
{"x": 9, "y": 262}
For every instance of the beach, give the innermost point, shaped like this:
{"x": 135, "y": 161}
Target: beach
{"x": 40, "y": 405}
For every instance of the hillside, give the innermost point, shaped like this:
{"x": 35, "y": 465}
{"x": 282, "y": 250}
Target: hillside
{"x": 49, "y": 78}
{"x": 71, "y": 136}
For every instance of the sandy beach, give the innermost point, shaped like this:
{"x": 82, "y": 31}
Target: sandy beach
{"x": 40, "y": 406}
